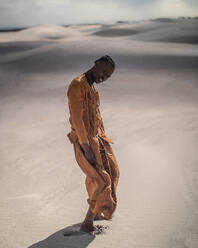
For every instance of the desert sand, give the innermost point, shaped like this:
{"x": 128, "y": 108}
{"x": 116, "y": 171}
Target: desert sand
{"x": 150, "y": 111}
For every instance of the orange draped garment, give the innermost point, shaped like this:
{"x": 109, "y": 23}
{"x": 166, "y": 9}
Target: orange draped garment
{"x": 87, "y": 127}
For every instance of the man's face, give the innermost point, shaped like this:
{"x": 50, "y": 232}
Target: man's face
{"x": 103, "y": 70}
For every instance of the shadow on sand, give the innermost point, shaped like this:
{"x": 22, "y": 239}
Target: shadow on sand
{"x": 70, "y": 237}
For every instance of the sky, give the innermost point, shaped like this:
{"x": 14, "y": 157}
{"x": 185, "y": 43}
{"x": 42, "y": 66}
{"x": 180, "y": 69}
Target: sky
{"x": 16, "y": 13}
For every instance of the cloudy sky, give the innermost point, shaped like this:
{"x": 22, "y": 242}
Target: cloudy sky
{"x": 15, "y": 13}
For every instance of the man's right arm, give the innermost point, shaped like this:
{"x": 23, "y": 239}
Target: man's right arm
{"x": 76, "y": 97}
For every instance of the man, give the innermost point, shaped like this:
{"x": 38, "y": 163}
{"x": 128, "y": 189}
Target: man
{"x": 91, "y": 145}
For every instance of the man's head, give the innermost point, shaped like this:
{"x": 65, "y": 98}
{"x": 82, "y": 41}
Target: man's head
{"x": 103, "y": 69}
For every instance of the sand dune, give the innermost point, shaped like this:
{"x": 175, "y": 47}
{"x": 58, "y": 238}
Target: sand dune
{"x": 41, "y": 32}
{"x": 20, "y": 46}
{"x": 149, "y": 107}
{"x": 178, "y": 32}
{"x": 116, "y": 32}
{"x": 164, "y": 30}
{"x": 55, "y": 61}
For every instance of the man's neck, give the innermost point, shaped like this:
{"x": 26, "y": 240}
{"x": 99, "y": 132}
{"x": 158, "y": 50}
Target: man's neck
{"x": 89, "y": 77}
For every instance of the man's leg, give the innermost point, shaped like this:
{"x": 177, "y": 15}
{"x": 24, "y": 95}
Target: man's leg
{"x": 87, "y": 225}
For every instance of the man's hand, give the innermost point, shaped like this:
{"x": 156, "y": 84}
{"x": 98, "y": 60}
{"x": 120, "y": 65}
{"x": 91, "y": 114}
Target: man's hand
{"x": 88, "y": 153}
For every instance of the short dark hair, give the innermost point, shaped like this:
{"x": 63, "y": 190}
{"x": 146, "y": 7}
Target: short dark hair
{"x": 108, "y": 59}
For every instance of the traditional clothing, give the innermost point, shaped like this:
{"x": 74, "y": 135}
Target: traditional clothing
{"x": 87, "y": 127}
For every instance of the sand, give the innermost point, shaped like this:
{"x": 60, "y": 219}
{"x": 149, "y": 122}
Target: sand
{"x": 150, "y": 111}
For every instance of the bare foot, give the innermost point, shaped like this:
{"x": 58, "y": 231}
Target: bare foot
{"x": 100, "y": 229}
{"x": 87, "y": 227}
